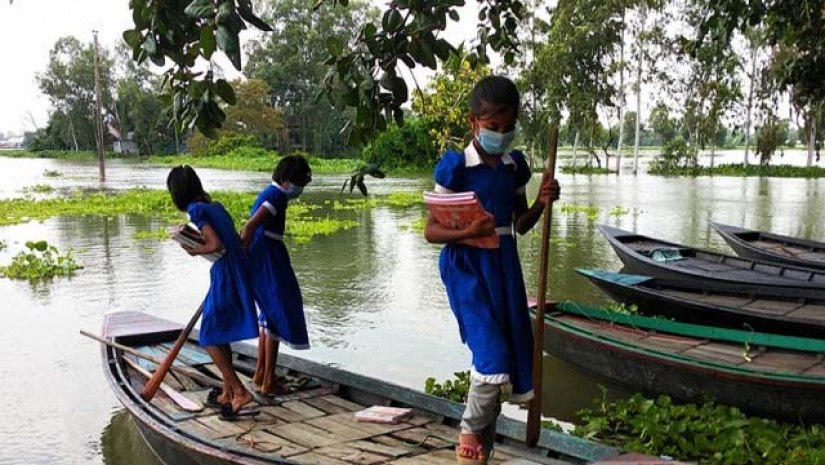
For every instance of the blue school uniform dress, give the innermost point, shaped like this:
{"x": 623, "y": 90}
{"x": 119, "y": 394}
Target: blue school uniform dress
{"x": 485, "y": 287}
{"x": 229, "y": 307}
{"x": 276, "y": 287}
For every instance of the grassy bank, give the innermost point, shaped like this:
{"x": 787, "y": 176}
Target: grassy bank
{"x": 306, "y": 220}
{"x": 584, "y": 169}
{"x": 58, "y": 154}
{"x": 260, "y": 160}
{"x": 741, "y": 170}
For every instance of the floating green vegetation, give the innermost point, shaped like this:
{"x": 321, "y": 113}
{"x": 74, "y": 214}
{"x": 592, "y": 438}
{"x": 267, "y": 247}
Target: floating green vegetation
{"x": 153, "y": 235}
{"x": 585, "y": 169}
{"x": 301, "y": 225}
{"x": 254, "y": 159}
{"x": 3, "y": 244}
{"x": 708, "y": 433}
{"x": 417, "y": 226}
{"x": 619, "y": 211}
{"x": 562, "y": 242}
{"x": 591, "y": 212}
{"x": 52, "y": 174}
{"x": 455, "y": 390}
{"x": 39, "y": 261}
{"x": 741, "y": 170}
{"x": 624, "y": 309}
{"x": 402, "y": 199}
{"x": 39, "y": 189}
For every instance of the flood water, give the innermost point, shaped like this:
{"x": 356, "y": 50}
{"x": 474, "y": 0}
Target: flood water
{"x": 375, "y": 303}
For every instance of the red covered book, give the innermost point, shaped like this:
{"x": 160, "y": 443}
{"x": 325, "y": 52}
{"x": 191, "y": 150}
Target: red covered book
{"x": 457, "y": 211}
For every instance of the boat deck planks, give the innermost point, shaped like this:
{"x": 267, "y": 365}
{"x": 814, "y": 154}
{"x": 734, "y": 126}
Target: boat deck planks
{"x": 313, "y": 425}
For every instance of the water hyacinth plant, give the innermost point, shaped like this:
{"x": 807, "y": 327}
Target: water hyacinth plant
{"x": 40, "y": 260}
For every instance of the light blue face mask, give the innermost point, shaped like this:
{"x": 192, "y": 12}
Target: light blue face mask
{"x": 293, "y": 191}
{"x": 495, "y": 143}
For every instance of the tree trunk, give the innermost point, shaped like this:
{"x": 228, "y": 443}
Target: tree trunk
{"x": 811, "y": 137}
{"x": 621, "y": 103}
{"x": 713, "y": 154}
{"x": 750, "y": 101}
{"x": 575, "y": 148}
{"x": 98, "y": 117}
{"x": 74, "y": 136}
{"x": 638, "y": 116}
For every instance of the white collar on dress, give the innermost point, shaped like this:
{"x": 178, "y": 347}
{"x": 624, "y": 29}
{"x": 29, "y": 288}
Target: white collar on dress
{"x": 472, "y": 158}
{"x": 277, "y": 185}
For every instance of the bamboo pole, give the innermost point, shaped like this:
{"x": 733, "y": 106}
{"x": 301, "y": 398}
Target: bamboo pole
{"x": 534, "y": 416}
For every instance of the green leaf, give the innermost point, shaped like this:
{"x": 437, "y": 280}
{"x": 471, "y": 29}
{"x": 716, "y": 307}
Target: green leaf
{"x": 199, "y": 9}
{"x": 228, "y": 42}
{"x": 132, "y": 37}
{"x": 245, "y": 10}
{"x": 41, "y": 246}
{"x": 454, "y": 15}
{"x": 392, "y": 20}
{"x": 334, "y": 46}
{"x": 208, "y": 43}
{"x": 225, "y": 91}
{"x": 150, "y": 46}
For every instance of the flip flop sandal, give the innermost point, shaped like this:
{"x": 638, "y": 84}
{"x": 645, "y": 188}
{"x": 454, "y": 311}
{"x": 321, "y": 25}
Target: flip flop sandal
{"x": 212, "y": 398}
{"x": 265, "y": 399}
{"x": 227, "y": 414}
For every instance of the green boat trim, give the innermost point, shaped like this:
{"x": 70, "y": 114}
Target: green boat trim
{"x": 703, "y": 332}
{"x": 802, "y": 344}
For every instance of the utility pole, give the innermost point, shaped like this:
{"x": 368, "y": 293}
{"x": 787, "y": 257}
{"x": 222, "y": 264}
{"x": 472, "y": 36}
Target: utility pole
{"x": 98, "y": 115}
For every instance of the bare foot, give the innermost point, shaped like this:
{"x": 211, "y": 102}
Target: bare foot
{"x": 258, "y": 377}
{"x": 470, "y": 447}
{"x": 224, "y": 398}
{"x": 276, "y": 389}
{"x": 241, "y": 399}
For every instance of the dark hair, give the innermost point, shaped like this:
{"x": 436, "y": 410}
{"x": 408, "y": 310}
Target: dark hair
{"x": 494, "y": 95}
{"x": 185, "y": 187}
{"x": 293, "y": 168}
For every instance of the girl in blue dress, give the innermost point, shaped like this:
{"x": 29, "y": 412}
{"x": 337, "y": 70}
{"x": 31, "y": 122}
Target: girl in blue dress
{"x": 229, "y": 307}
{"x": 485, "y": 287}
{"x": 278, "y": 295}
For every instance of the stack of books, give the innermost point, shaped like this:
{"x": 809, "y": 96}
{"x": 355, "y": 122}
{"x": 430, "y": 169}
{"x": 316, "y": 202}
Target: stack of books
{"x": 457, "y": 211}
{"x": 189, "y": 236}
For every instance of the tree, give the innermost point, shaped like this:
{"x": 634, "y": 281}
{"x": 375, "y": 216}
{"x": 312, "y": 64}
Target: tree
{"x": 142, "y": 114}
{"x": 363, "y": 70}
{"x": 290, "y": 60}
{"x": 68, "y": 82}
{"x": 444, "y": 106}
{"x": 253, "y": 113}
{"x": 662, "y": 124}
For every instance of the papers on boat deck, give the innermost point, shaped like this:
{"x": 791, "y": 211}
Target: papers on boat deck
{"x": 457, "y": 211}
{"x": 188, "y": 235}
{"x": 381, "y": 414}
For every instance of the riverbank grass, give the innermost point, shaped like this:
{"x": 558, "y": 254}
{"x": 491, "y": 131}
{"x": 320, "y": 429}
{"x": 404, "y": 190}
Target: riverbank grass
{"x": 742, "y": 170}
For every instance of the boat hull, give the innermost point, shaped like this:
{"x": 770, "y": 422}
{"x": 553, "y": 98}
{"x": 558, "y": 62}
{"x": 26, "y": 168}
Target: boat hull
{"x": 683, "y": 382}
{"x": 745, "y": 249}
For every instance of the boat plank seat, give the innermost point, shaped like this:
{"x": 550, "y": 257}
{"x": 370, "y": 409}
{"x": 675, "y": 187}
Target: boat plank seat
{"x": 718, "y": 352}
{"x": 669, "y": 342}
{"x": 783, "y": 361}
{"x": 620, "y": 332}
{"x": 772, "y": 307}
{"x": 721, "y": 299}
{"x": 814, "y": 312}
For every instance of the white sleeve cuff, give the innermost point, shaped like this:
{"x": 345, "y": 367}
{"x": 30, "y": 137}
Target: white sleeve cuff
{"x": 271, "y": 208}
{"x": 439, "y": 189}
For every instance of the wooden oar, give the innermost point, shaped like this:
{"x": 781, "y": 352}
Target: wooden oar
{"x": 183, "y": 402}
{"x": 534, "y": 416}
{"x": 152, "y": 386}
{"x": 184, "y": 370}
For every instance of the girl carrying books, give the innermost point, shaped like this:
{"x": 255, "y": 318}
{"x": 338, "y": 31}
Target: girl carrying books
{"x": 485, "y": 287}
{"x": 277, "y": 292}
{"x": 229, "y": 307}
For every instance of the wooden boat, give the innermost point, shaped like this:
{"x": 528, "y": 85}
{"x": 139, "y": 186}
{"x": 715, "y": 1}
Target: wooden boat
{"x": 638, "y": 253}
{"x": 315, "y": 424}
{"x": 735, "y": 306}
{"x": 762, "y": 374}
{"x": 771, "y": 247}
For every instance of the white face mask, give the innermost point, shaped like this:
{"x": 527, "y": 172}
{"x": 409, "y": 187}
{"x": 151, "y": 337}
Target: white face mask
{"x": 495, "y": 143}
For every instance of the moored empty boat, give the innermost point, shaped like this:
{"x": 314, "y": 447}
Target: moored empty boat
{"x": 771, "y": 247}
